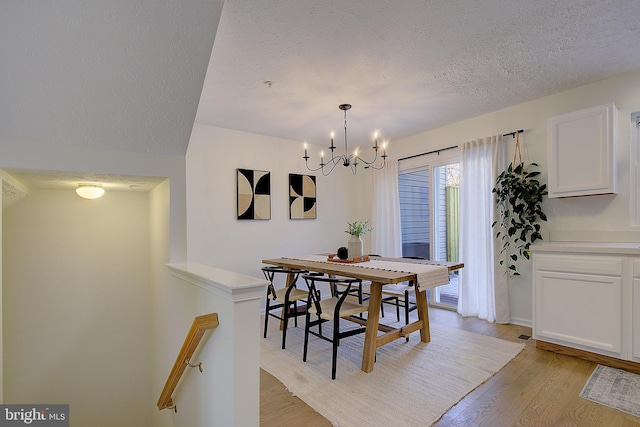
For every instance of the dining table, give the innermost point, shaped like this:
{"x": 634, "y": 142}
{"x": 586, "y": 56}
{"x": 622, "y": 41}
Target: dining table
{"x": 380, "y": 271}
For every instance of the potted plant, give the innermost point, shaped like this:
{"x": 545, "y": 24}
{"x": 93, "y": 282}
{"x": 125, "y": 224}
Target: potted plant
{"x": 357, "y": 229}
{"x": 519, "y": 200}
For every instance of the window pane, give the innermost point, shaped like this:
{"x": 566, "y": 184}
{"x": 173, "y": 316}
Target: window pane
{"x": 413, "y": 189}
{"x": 446, "y": 187}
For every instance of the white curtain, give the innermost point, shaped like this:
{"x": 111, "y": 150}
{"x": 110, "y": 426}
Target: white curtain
{"x": 484, "y": 287}
{"x": 386, "y": 237}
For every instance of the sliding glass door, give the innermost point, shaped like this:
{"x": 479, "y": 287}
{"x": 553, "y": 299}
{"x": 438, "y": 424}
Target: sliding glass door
{"x": 428, "y": 189}
{"x": 415, "y": 213}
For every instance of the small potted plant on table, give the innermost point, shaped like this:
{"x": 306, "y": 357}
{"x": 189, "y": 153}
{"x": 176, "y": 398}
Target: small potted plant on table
{"x": 357, "y": 229}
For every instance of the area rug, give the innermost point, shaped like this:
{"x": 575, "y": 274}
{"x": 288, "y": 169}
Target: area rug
{"x": 614, "y": 388}
{"x": 412, "y": 384}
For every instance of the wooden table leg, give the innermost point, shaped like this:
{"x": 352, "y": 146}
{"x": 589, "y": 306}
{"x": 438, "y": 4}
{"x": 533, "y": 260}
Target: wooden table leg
{"x": 423, "y": 315}
{"x": 370, "y": 336}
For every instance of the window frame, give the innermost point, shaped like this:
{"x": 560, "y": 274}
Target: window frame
{"x": 431, "y": 162}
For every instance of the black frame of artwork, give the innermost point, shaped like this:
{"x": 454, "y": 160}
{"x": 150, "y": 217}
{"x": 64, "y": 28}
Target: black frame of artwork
{"x": 254, "y": 194}
{"x": 303, "y": 203}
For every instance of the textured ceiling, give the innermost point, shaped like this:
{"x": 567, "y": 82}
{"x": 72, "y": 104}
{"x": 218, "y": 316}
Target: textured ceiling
{"x": 33, "y": 180}
{"x": 128, "y": 75}
{"x": 116, "y": 74}
{"x": 405, "y": 66}
{"x": 11, "y": 194}
{"x": 70, "y": 180}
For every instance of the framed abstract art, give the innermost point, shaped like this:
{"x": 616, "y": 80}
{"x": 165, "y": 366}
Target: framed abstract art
{"x": 302, "y": 197}
{"x": 254, "y": 194}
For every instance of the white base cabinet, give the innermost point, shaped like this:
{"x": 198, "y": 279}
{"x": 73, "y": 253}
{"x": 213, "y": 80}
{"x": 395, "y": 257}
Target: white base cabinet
{"x": 635, "y": 326}
{"x": 587, "y": 297}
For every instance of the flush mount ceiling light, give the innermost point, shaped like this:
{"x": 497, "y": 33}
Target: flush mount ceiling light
{"x": 346, "y": 159}
{"x": 89, "y": 191}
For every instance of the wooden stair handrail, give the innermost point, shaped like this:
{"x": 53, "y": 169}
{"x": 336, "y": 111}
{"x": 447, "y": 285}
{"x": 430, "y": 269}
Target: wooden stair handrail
{"x": 200, "y": 325}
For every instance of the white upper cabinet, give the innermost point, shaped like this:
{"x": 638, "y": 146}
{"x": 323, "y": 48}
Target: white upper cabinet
{"x": 582, "y": 152}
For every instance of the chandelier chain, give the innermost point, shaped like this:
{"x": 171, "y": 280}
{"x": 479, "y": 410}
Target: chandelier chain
{"x": 346, "y": 150}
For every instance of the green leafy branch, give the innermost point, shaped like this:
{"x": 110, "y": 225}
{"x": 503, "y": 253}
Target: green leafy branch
{"x": 358, "y": 228}
{"x": 519, "y": 200}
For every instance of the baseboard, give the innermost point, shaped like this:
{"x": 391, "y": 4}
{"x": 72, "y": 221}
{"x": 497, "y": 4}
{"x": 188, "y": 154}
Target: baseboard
{"x": 521, "y": 322}
{"x": 600, "y": 359}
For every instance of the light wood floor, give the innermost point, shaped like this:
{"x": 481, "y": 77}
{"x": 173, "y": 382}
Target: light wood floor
{"x": 537, "y": 388}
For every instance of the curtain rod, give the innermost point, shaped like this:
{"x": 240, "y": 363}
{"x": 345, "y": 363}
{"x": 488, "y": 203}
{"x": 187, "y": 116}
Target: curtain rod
{"x": 513, "y": 134}
{"x": 429, "y": 152}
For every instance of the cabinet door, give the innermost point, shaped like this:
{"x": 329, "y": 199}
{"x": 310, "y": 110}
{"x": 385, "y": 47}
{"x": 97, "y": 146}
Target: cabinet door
{"x": 582, "y": 152}
{"x": 579, "y": 310}
{"x": 635, "y": 311}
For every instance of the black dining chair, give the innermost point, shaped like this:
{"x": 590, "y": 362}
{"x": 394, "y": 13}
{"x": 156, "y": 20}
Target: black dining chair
{"x": 331, "y": 309}
{"x": 388, "y": 298}
{"x": 401, "y": 295}
{"x": 289, "y": 298}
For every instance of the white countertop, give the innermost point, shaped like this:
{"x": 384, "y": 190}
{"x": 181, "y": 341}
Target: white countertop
{"x": 589, "y": 247}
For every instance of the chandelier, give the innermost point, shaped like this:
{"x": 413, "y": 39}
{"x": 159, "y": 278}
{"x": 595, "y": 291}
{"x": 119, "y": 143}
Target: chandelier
{"x": 348, "y": 160}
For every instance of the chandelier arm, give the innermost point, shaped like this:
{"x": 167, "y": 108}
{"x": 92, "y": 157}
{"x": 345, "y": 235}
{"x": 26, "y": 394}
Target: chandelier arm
{"x": 330, "y": 170}
{"x": 321, "y": 165}
{"x": 371, "y": 164}
{"x": 366, "y": 162}
{"x": 333, "y": 162}
{"x": 316, "y": 169}
{"x": 374, "y": 167}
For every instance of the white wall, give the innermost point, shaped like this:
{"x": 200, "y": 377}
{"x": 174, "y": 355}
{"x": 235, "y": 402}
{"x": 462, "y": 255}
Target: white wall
{"x": 165, "y": 230}
{"x": 167, "y": 321}
{"x": 64, "y": 158}
{"x": 1, "y": 316}
{"x": 217, "y": 238}
{"x": 227, "y": 392}
{"x": 606, "y": 212}
{"x": 77, "y": 305}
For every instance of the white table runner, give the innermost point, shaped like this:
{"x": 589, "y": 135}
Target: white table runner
{"x": 428, "y": 275}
